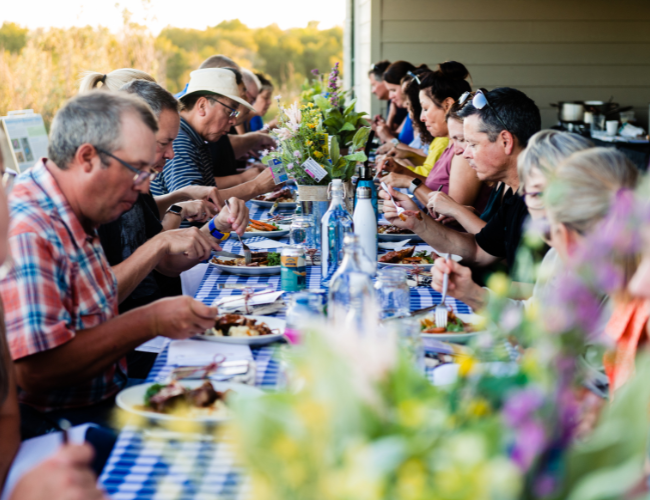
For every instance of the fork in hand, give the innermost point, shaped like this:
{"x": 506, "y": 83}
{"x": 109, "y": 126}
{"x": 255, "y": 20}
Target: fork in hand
{"x": 248, "y": 256}
{"x": 442, "y": 312}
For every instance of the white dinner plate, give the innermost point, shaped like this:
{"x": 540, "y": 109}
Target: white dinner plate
{"x": 458, "y": 338}
{"x": 246, "y": 271}
{"x": 455, "y": 258}
{"x": 132, "y": 400}
{"x": 275, "y": 324}
{"x": 398, "y": 237}
{"x": 269, "y": 204}
{"x": 284, "y": 230}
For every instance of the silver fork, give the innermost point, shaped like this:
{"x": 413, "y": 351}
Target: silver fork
{"x": 248, "y": 256}
{"x": 441, "y": 309}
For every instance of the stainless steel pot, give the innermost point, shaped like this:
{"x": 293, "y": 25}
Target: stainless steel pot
{"x": 571, "y": 112}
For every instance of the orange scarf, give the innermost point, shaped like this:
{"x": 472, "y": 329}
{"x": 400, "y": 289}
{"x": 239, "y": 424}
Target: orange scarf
{"x": 626, "y": 327}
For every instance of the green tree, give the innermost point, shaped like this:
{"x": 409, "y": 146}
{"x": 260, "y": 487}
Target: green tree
{"x": 12, "y": 37}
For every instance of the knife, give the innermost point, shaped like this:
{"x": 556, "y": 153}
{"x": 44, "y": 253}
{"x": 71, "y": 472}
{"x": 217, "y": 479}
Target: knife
{"x": 238, "y": 286}
{"x": 223, "y": 253}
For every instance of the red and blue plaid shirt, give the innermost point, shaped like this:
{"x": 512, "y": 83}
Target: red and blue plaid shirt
{"x": 61, "y": 283}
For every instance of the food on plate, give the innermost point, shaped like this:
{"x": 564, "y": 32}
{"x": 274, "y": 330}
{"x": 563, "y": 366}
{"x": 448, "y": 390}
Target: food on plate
{"x": 258, "y": 225}
{"x": 406, "y": 256}
{"x": 410, "y": 213}
{"x": 393, "y": 230}
{"x": 454, "y": 325}
{"x": 175, "y": 399}
{"x": 259, "y": 259}
{"x": 236, "y": 325}
{"x": 284, "y": 195}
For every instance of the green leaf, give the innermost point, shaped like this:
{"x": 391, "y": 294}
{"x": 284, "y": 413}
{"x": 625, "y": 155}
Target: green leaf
{"x": 358, "y": 156}
{"x": 360, "y": 138}
{"x": 322, "y": 103}
{"x": 350, "y": 108}
{"x": 335, "y": 153}
{"x": 347, "y": 126}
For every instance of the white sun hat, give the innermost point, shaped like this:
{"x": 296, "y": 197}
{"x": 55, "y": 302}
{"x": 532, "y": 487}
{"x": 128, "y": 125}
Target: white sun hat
{"x": 215, "y": 81}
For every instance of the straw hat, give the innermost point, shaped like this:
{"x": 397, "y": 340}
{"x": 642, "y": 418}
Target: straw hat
{"x": 215, "y": 81}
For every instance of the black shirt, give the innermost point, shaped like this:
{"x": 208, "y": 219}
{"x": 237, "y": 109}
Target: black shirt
{"x": 494, "y": 201}
{"x": 123, "y": 236}
{"x": 501, "y": 235}
{"x": 224, "y": 162}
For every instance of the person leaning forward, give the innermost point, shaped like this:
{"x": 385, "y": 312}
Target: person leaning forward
{"x": 65, "y": 336}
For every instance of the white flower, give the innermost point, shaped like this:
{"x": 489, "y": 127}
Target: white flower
{"x": 284, "y": 134}
{"x": 294, "y": 115}
{"x": 278, "y": 97}
{"x": 265, "y": 152}
{"x": 289, "y": 166}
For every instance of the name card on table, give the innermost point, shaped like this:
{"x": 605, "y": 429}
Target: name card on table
{"x": 314, "y": 170}
{"x": 278, "y": 171}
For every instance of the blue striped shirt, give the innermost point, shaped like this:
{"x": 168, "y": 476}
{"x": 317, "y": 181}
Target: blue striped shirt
{"x": 191, "y": 165}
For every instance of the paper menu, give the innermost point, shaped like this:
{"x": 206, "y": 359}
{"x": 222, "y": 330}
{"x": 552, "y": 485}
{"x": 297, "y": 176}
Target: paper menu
{"x": 27, "y": 138}
{"x": 201, "y": 353}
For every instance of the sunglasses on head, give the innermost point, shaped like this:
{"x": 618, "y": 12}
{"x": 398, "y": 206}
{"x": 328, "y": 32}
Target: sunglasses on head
{"x": 414, "y": 76}
{"x": 479, "y": 101}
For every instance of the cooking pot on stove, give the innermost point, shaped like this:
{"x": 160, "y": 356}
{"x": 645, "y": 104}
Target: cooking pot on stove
{"x": 570, "y": 112}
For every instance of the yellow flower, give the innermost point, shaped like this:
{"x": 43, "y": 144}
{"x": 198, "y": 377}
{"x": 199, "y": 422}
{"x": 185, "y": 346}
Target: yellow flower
{"x": 311, "y": 104}
{"x": 411, "y": 479}
{"x": 318, "y": 154}
{"x": 309, "y": 143}
{"x": 499, "y": 284}
{"x": 479, "y": 408}
{"x": 311, "y": 125}
{"x": 411, "y": 413}
{"x": 466, "y": 364}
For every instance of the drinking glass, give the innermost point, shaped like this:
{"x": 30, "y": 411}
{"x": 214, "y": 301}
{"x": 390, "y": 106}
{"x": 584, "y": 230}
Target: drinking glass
{"x": 303, "y": 231}
{"x": 393, "y": 292}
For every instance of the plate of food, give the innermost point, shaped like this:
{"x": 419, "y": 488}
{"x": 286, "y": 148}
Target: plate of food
{"x": 187, "y": 400}
{"x": 269, "y": 230}
{"x": 263, "y": 263}
{"x": 389, "y": 232}
{"x": 240, "y": 329}
{"x": 408, "y": 257}
{"x": 459, "y": 328}
{"x": 285, "y": 198}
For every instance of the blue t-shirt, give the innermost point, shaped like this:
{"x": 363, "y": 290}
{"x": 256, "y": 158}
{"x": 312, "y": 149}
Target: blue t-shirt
{"x": 255, "y": 124}
{"x": 406, "y": 135}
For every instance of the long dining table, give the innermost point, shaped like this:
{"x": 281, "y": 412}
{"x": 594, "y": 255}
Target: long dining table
{"x": 161, "y": 466}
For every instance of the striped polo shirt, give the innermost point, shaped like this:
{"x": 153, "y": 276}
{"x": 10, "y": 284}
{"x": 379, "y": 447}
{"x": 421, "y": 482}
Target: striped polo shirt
{"x": 191, "y": 165}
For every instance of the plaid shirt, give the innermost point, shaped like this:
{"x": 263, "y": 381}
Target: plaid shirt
{"x": 61, "y": 282}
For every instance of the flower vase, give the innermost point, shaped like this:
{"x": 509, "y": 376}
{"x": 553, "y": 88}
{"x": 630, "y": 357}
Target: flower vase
{"x": 314, "y": 201}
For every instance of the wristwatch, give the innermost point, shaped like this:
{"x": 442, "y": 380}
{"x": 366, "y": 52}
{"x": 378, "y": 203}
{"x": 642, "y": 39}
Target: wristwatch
{"x": 395, "y": 141}
{"x": 415, "y": 183}
{"x": 176, "y": 210}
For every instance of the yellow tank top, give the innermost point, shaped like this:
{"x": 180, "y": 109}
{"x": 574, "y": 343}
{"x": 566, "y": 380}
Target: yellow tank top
{"x": 437, "y": 147}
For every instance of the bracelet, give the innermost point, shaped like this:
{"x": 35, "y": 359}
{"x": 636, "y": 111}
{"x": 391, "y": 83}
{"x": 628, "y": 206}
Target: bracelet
{"x": 216, "y": 233}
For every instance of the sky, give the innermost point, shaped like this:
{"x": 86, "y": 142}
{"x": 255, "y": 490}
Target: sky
{"x": 156, "y": 14}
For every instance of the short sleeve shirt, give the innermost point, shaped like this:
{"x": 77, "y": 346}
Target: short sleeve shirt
{"x": 60, "y": 283}
{"x": 191, "y": 165}
{"x": 501, "y": 235}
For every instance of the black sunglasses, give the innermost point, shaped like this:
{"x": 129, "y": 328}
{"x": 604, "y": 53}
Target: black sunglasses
{"x": 140, "y": 175}
{"x": 479, "y": 101}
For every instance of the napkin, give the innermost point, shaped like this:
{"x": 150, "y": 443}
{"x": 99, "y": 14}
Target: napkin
{"x": 201, "y": 353}
{"x": 256, "y": 300}
{"x": 392, "y": 245}
{"x": 266, "y": 243}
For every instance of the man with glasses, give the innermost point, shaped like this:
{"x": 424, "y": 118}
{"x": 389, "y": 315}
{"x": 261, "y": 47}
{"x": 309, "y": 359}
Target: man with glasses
{"x": 209, "y": 109}
{"x": 497, "y": 126}
{"x": 61, "y": 297}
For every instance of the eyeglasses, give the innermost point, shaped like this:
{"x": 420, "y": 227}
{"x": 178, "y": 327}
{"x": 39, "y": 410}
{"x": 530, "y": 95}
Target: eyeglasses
{"x": 534, "y": 199}
{"x": 140, "y": 175}
{"x": 479, "y": 101}
{"x": 233, "y": 112}
{"x": 414, "y": 76}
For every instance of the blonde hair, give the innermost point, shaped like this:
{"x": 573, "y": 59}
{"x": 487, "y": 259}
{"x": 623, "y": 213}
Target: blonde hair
{"x": 113, "y": 80}
{"x": 585, "y": 186}
{"x": 546, "y": 150}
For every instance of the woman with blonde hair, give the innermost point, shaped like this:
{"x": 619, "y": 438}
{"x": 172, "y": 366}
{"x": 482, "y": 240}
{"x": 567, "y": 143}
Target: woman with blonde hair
{"x": 113, "y": 80}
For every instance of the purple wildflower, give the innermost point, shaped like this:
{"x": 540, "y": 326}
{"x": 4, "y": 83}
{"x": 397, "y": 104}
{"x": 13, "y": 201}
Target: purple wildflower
{"x": 520, "y": 405}
{"x": 297, "y": 154}
{"x": 332, "y": 85}
{"x": 529, "y": 444}
{"x": 314, "y": 72}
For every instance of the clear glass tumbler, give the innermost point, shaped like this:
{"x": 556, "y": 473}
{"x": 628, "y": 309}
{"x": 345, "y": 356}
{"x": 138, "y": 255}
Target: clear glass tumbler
{"x": 393, "y": 292}
{"x": 303, "y": 231}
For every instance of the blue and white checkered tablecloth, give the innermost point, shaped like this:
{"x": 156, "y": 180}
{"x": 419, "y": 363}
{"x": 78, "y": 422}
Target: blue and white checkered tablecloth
{"x": 146, "y": 467}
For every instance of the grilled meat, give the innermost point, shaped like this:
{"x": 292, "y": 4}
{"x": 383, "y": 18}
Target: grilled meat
{"x": 396, "y": 256}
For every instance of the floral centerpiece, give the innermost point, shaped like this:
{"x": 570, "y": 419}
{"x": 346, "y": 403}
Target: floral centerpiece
{"x": 319, "y": 130}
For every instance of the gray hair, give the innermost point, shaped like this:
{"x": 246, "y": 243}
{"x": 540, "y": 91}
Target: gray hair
{"x": 111, "y": 81}
{"x": 153, "y": 94}
{"x": 585, "y": 186}
{"x": 546, "y": 150}
{"x": 94, "y": 118}
{"x": 218, "y": 61}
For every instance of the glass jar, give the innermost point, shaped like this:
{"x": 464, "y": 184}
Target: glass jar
{"x": 393, "y": 292}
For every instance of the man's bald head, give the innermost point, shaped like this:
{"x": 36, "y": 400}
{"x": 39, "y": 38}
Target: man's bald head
{"x": 219, "y": 61}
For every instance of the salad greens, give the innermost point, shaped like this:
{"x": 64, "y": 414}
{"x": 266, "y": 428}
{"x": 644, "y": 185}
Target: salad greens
{"x": 152, "y": 391}
{"x": 273, "y": 258}
{"x": 424, "y": 255}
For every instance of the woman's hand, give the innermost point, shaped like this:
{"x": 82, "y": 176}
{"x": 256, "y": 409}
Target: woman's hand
{"x": 198, "y": 210}
{"x": 461, "y": 286}
{"x": 390, "y": 211}
{"x": 385, "y": 148}
{"x": 396, "y": 180}
{"x": 389, "y": 164}
{"x": 384, "y": 132}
